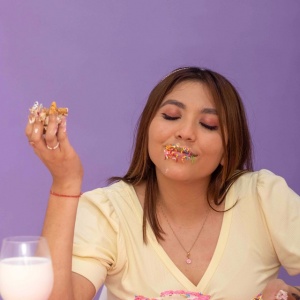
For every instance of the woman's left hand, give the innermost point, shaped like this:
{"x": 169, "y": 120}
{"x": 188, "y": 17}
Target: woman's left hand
{"x": 277, "y": 289}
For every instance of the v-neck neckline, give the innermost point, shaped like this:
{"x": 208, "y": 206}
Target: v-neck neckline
{"x": 220, "y": 247}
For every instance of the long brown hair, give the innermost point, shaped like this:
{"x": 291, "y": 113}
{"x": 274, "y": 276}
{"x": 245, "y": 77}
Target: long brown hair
{"x": 235, "y": 137}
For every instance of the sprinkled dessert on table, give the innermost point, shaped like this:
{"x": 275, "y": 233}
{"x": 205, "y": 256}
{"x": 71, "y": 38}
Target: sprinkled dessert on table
{"x": 176, "y": 295}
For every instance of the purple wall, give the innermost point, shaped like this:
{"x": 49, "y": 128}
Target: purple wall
{"x": 101, "y": 59}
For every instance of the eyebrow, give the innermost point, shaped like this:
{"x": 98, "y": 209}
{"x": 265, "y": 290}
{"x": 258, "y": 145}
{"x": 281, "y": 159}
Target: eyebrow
{"x": 209, "y": 111}
{"x": 183, "y": 106}
{"x": 174, "y": 102}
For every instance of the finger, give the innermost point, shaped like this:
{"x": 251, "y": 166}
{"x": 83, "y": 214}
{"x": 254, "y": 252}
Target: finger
{"x": 29, "y": 126}
{"x": 29, "y": 129}
{"x": 295, "y": 296}
{"x": 34, "y": 132}
{"x": 51, "y": 133}
{"x": 62, "y": 133}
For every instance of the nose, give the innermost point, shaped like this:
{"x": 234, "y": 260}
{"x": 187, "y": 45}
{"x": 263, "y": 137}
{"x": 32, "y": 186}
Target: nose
{"x": 186, "y": 132}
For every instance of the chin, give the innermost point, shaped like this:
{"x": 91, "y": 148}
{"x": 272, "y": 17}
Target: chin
{"x": 176, "y": 174}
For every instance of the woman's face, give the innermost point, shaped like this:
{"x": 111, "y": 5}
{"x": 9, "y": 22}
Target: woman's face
{"x": 187, "y": 119}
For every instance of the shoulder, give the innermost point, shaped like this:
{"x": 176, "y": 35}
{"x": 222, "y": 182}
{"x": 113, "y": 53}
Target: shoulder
{"x": 117, "y": 201}
{"x": 105, "y": 201}
{"x": 111, "y": 193}
{"x": 259, "y": 179}
{"x": 265, "y": 186}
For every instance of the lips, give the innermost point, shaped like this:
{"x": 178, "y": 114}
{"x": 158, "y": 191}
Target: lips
{"x": 179, "y": 153}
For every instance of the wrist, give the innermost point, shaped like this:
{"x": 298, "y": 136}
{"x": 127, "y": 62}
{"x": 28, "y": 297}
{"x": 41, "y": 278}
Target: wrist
{"x": 77, "y": 196}
{"x": 72, "y": 187}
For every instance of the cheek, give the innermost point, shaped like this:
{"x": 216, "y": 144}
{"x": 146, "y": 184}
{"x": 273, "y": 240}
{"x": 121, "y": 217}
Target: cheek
{"x": 157, "y": 138}
{"x": 153, "y": 139}
{"x": 158, "y": 132}
{"x": 154, "y": 151}
{"x": 214, "y": 147}
{"x": 151, "y": 135}
{"x": 220, "y": 154}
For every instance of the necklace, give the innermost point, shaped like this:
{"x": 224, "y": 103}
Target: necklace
{"x": 188, "y": 252}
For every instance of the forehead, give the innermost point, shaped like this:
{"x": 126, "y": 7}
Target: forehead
{"x": 187, "y": 91}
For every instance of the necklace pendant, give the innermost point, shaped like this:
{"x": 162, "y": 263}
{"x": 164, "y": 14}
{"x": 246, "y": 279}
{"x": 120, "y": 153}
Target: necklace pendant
{"x": 188, "y": 260}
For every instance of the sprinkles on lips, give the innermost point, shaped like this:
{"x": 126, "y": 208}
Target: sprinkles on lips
{"x": 178, "y": 153}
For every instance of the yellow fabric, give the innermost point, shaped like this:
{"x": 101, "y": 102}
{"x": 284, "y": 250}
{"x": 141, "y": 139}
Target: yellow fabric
{"x": 258, "y": 235}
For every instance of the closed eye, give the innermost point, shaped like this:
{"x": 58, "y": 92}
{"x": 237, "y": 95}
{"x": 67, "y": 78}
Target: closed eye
{"x": 208, "y": 126}
{"x": 167, "y": 117}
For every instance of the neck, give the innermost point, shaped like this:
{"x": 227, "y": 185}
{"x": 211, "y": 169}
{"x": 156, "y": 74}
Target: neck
{"x": 183, "y": 200}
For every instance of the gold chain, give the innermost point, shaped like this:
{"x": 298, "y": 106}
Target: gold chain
{"x": 188, "y": 253}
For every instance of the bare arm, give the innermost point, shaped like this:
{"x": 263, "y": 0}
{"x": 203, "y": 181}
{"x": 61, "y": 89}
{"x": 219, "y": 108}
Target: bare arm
{"x": 67, "y": 172}
{"x": 59, "y": 231}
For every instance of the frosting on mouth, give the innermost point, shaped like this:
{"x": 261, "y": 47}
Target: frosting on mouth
{"x": 178, "y": 153}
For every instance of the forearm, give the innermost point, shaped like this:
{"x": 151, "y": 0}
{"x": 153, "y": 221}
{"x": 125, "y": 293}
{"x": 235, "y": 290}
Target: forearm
{"x": 59, "y": 231}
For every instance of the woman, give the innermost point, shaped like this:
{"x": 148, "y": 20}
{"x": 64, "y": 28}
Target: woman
{"x": 190, "y": 214}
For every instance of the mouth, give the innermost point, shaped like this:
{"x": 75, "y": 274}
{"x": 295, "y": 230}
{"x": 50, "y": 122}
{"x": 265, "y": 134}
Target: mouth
{"x": 178, "y": 153}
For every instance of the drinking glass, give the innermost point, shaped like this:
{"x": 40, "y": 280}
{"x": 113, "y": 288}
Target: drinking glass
{"x": 25, "y": 268}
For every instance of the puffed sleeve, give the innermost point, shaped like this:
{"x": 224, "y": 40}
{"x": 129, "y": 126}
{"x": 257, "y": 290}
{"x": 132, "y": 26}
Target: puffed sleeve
{"x": 97, "y": 242}
{"x": 281, "y": 209}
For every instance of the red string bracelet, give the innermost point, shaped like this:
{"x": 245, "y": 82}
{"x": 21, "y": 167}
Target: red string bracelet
{"x": 64, "y": 196}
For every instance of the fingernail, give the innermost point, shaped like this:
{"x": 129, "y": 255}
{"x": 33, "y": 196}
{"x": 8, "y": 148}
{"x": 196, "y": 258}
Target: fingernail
{"x": 64, "y": 125}
{"x": 58, "y": 119}
{"x": 31, "y": 119}
{"x": 36, "y": 130}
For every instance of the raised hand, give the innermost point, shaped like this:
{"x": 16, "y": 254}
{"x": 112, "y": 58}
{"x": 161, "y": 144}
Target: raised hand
{"x": 52, "y": 146}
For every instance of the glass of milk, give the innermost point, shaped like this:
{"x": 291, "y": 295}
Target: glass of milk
{"x": 25, "y": 268}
